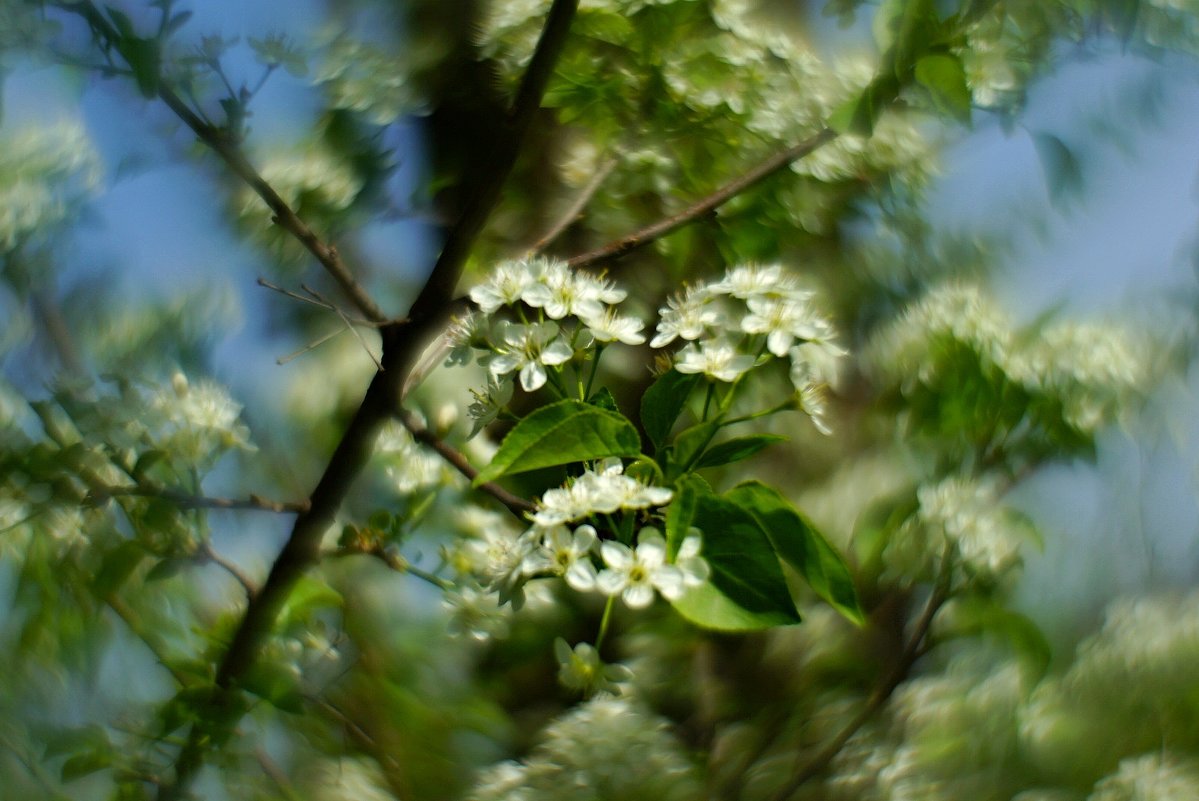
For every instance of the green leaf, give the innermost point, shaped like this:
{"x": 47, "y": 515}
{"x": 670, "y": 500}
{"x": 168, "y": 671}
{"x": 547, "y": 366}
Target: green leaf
{"x": 116, "y": 566}
{"x": 562, "y": 433}
{"x": 736, "y": 449}
{"x": 308, "y": 596}
{"x": 145, "y": 60}
{"x": 801, "y": 546}
{"x": 688, "y": 446}
{"x": 945, "y": 80}
{"x": 604, "y": 399}
{"x": 84, "y": 764}
{"x": 663, "y": 402}
{"x": 681, "y": 512}
{"x": 708, "y": 607}
{"x": 1063, "y": 172}
{"x": 974, "y": 615}
{"x": 275, "y": 684}
{"x": 744, "y": 566}
{"x": 166, "y": 568}
{"x": 858, "y": 115}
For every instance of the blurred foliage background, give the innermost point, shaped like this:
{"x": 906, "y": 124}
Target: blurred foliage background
{"x": 177, "y": 370}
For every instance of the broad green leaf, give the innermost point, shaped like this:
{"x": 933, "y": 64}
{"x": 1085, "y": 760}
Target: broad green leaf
{"x": 308, "y": 596}
{"x": 708, "y": 607}
{"x": 604, "y": 399}
{"x": 688, "y": 445}
{"x": 945, "y": 80}
{"x": 973, "y": 616}
{"x": 167, "y": 567}
{"x": 275, "y": 684}
{"x": 744, "y": 566}
{"x": 858, "y": 115}
{"x": 562, "y": 433}
{"x": 736, "y": 449}
{"x": 801, "y": 546}
{"x": 681, "y": 512}
{"x": 1063, "y": 173}
{"x": 84, "y": 764}
{"x": 117, "y": 565}
{"x": 663, "y": 402}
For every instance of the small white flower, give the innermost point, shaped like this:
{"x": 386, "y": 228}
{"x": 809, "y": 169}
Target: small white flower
{"x": 816, "y": 362}
{"x": 694, "y": 568}
{"x": 686, "y": 316}
{"x": 464, "y": 334}
{"x": 475, "y": 613}
{"x": 566, "y": 555}
{"x": 506, "y": 286}
{"x": 610, "y": 326}
{"x": 580, "y": 668}
{"x": 716, "y": 359}
{"x": 635, "y": 574}
{"x": 602, "y": 492}
{"x": 753, "y": 280}
{"x": 783, "y": 320}
{"x": 529, "y": 349}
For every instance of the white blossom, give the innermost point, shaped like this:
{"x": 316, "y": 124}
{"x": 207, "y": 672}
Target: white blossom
{"x": 634, "y": 574}
{"x": 716, "y": 359}
{"x": 529, "y": 349}
{"x": 687, "y": 316}
{"x": 597, "y": 492}
{"x": 1152, "y": 777}
{"x": 565, "y": 554}
{"x": 610, "y": 326}
{"x": 580, "y": 668}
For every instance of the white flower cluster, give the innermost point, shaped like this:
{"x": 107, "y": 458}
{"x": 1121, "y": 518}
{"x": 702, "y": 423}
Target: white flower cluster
{"x": 345, "y": 779}
{"x": 364, "y": 77}
{"x": 197, "y": 420}
{"x": 1092, "y": 370}
{"x": 965, "y": 514}
{"x": 1153, "y": 777}
{"x": 752, "y": 314}
{"x": 411, "y": 466}
{"x": 606, "y": 748}
{"x": 316, "y": 177}
{"x": 601, "y": 491}
{"x": 44, "y": 171}
{"x": 574, "y": 313}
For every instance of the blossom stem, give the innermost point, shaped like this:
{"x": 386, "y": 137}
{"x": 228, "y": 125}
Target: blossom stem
{"x": 599, "y": 349}
{"x": 604, "y": 620}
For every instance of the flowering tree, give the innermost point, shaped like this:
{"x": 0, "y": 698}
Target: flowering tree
{"x": 660, "y": 482}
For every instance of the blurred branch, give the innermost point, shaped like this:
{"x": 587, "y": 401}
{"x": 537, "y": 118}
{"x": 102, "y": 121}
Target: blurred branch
{"x": 134, "y": 624}
{"x": 403, "y": 342}
{"x": 576, "y": 208}
{"x": 99, "y": 493}
{"x": 515, "y": 504}
{"x": 223, "y": 144}
{"x": 206, "y": 552}
{"x": 393, "y": 560}
{"x": 705, "y": 205}
{"x": 813, "y": 766}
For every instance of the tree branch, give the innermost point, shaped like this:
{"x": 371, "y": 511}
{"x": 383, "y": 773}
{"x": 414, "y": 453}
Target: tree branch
{"x": 402, "y": 344}
{"x": 805, "y": 770}
{"x": 224, "y": 146}
{"x": 576, "y": 208}
{"x": 705, "y": 205}
{"x": 515, "y": 504}
{"x": 98, "y": 493}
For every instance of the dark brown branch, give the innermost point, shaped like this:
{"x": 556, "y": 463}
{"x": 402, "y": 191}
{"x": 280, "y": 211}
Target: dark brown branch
{"x": 807, "y": 769}
{"x": 705, "y": 205}
{"x": 515, "y": 504}
{"x": 403, "y": 343}
{"x": 102, "y": 492}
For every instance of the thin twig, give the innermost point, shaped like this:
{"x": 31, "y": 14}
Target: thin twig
{"x": 576, "y": 208}
{"x": 349, "y": 325}
{"x": 99, "y": 493}
{"x": 223, "y": 144}
{"x": 705, "y": 205}
{"x": 806, "y": 769}
{"x": 324, "y": 304}
{"x": 394, "y": 561}
{"x": 515, "y": 504}
{"x": 208, "y": 554}
{"x": 311, "y": 346}
{"x": 276, "y": 774}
